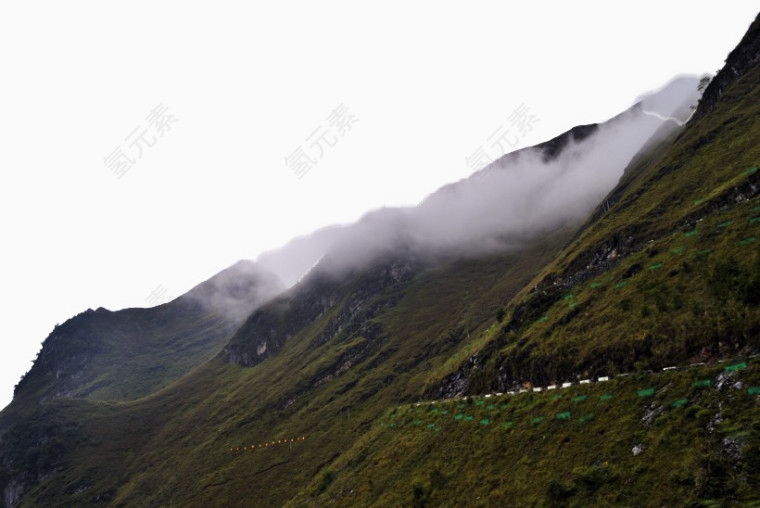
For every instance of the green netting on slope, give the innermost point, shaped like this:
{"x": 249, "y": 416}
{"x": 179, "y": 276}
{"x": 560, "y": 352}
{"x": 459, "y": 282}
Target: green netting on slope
{"x": 679, "y": 402}
{"x": 754, "y": 219}
{"x": 691, "y": 233}
{"x": 606, "y": 396}
{"x": 704, "y": 382}
{"x": 738, "y": 366}
{"x": 558, "y": 396}
{"x": 507, "y": 425}
{"x": 444, "y": 412}
{"x": 678, "y": 250}
{"x": 580, "y": 398}
{"x": 537, "y": 419}
{"x": 485, "y": 421}
{"x": 699, "y": 201}
{"x": 491, "y": 407}
{"x": 418, "y": 422}
{"x": 568, "y": 297}
{"x": 646, "y": 392}
{"x": 586, "y": 418}
{"x": 655, "y": 266}
{"x": 749, "y": 171}
{"x": 747, "y": 241}
{"x": 704, "y": 252}
{"x": 754, "y": 390}
{"x": 572, "y": 304}
{"x": 437, "y": 429}
{"x": 480, "y": 403}
{"x": 756, "y": 209}
{"x": 725, "y": 224}
{"x": 468, "y": 418}
{"x": 430, "y": 425}
{"x": 621, "y": 285}
{"x": 565, "y": 415}
{"x": 459, "y": 417}
{"x": 595, "y": 285}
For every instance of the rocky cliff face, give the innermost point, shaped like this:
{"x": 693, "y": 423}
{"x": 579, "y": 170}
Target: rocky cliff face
{"x": 739, "y": 61}
{"x": 267, "y": 330}
{"x": 33, "y": 451}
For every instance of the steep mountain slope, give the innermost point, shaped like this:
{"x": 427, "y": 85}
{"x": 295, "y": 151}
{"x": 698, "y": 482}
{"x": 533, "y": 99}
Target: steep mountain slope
{"x": 324, "y": 383}
{"x": 105, "y": 355}
{"x": 306, "y": 380}
{"x": 677, "y": 438}
{"x": 666, "y": 273}
{"x": 323, "y": 361}
{"x": 673, "y": 245}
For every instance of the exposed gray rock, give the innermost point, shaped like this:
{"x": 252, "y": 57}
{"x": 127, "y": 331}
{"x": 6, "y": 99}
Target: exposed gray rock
{"x": 651, "y": 413}
{"x": 725, "y": 379}
{"x": 715, "y": 422}
{"x": 12, "y": 493}
{"x": 732, "y": 447}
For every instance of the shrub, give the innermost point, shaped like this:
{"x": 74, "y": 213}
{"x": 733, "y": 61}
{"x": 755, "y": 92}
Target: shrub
{"x": 591, "y": 478}
{"x": 324, "y": 482}
{"x": 437, "y": 479}
{"x": 558, "y": 491}
{"x": 420, "y": 495}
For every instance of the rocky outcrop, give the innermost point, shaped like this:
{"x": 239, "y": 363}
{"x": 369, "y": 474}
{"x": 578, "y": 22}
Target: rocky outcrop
{"x": 12, "y": 493}
{"x": 353, "y": 300}
{"x": 31, "y": 452}
{"x": 738, "y": 62}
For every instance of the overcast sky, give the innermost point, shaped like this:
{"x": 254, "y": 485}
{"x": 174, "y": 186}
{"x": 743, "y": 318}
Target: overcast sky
{"x": 152, "y": 144}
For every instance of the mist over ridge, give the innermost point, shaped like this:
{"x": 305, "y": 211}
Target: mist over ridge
{"x": 520, "y": 195}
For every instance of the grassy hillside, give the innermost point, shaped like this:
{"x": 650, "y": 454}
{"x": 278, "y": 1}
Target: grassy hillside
{"x": 668, "y": 274}
{"x": 106, "y": 355}
{"x": 688, "y": 437}
{"x": 173, "y": 445}
{"x": 127, "y": 354}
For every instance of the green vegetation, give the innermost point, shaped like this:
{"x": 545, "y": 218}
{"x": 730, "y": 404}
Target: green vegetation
{"x": 666, "y": 273}
{"x": 698, "y": 268}
{"x": 682, "y": 446}
{"x": 104, "y": 355}
{"x": 341, "y": 386}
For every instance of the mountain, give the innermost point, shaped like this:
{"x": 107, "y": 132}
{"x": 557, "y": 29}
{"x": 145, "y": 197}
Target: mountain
{"x": 614, "y": 250}
{"x": 127, "y": 354}
{"x": 659, "y": 292}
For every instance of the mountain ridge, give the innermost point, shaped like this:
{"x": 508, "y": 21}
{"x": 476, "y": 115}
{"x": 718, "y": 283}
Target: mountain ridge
{"x": 170, "y": 339}
{"x": 350, "y": 345}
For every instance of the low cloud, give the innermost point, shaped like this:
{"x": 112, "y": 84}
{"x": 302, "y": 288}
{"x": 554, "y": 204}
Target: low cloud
{"x": 519, "y": 196}
{"x": 238, "y": 290}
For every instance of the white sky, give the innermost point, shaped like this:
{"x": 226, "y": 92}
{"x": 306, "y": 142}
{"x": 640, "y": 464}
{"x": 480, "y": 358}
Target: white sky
{"x": 428, "y": 82}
